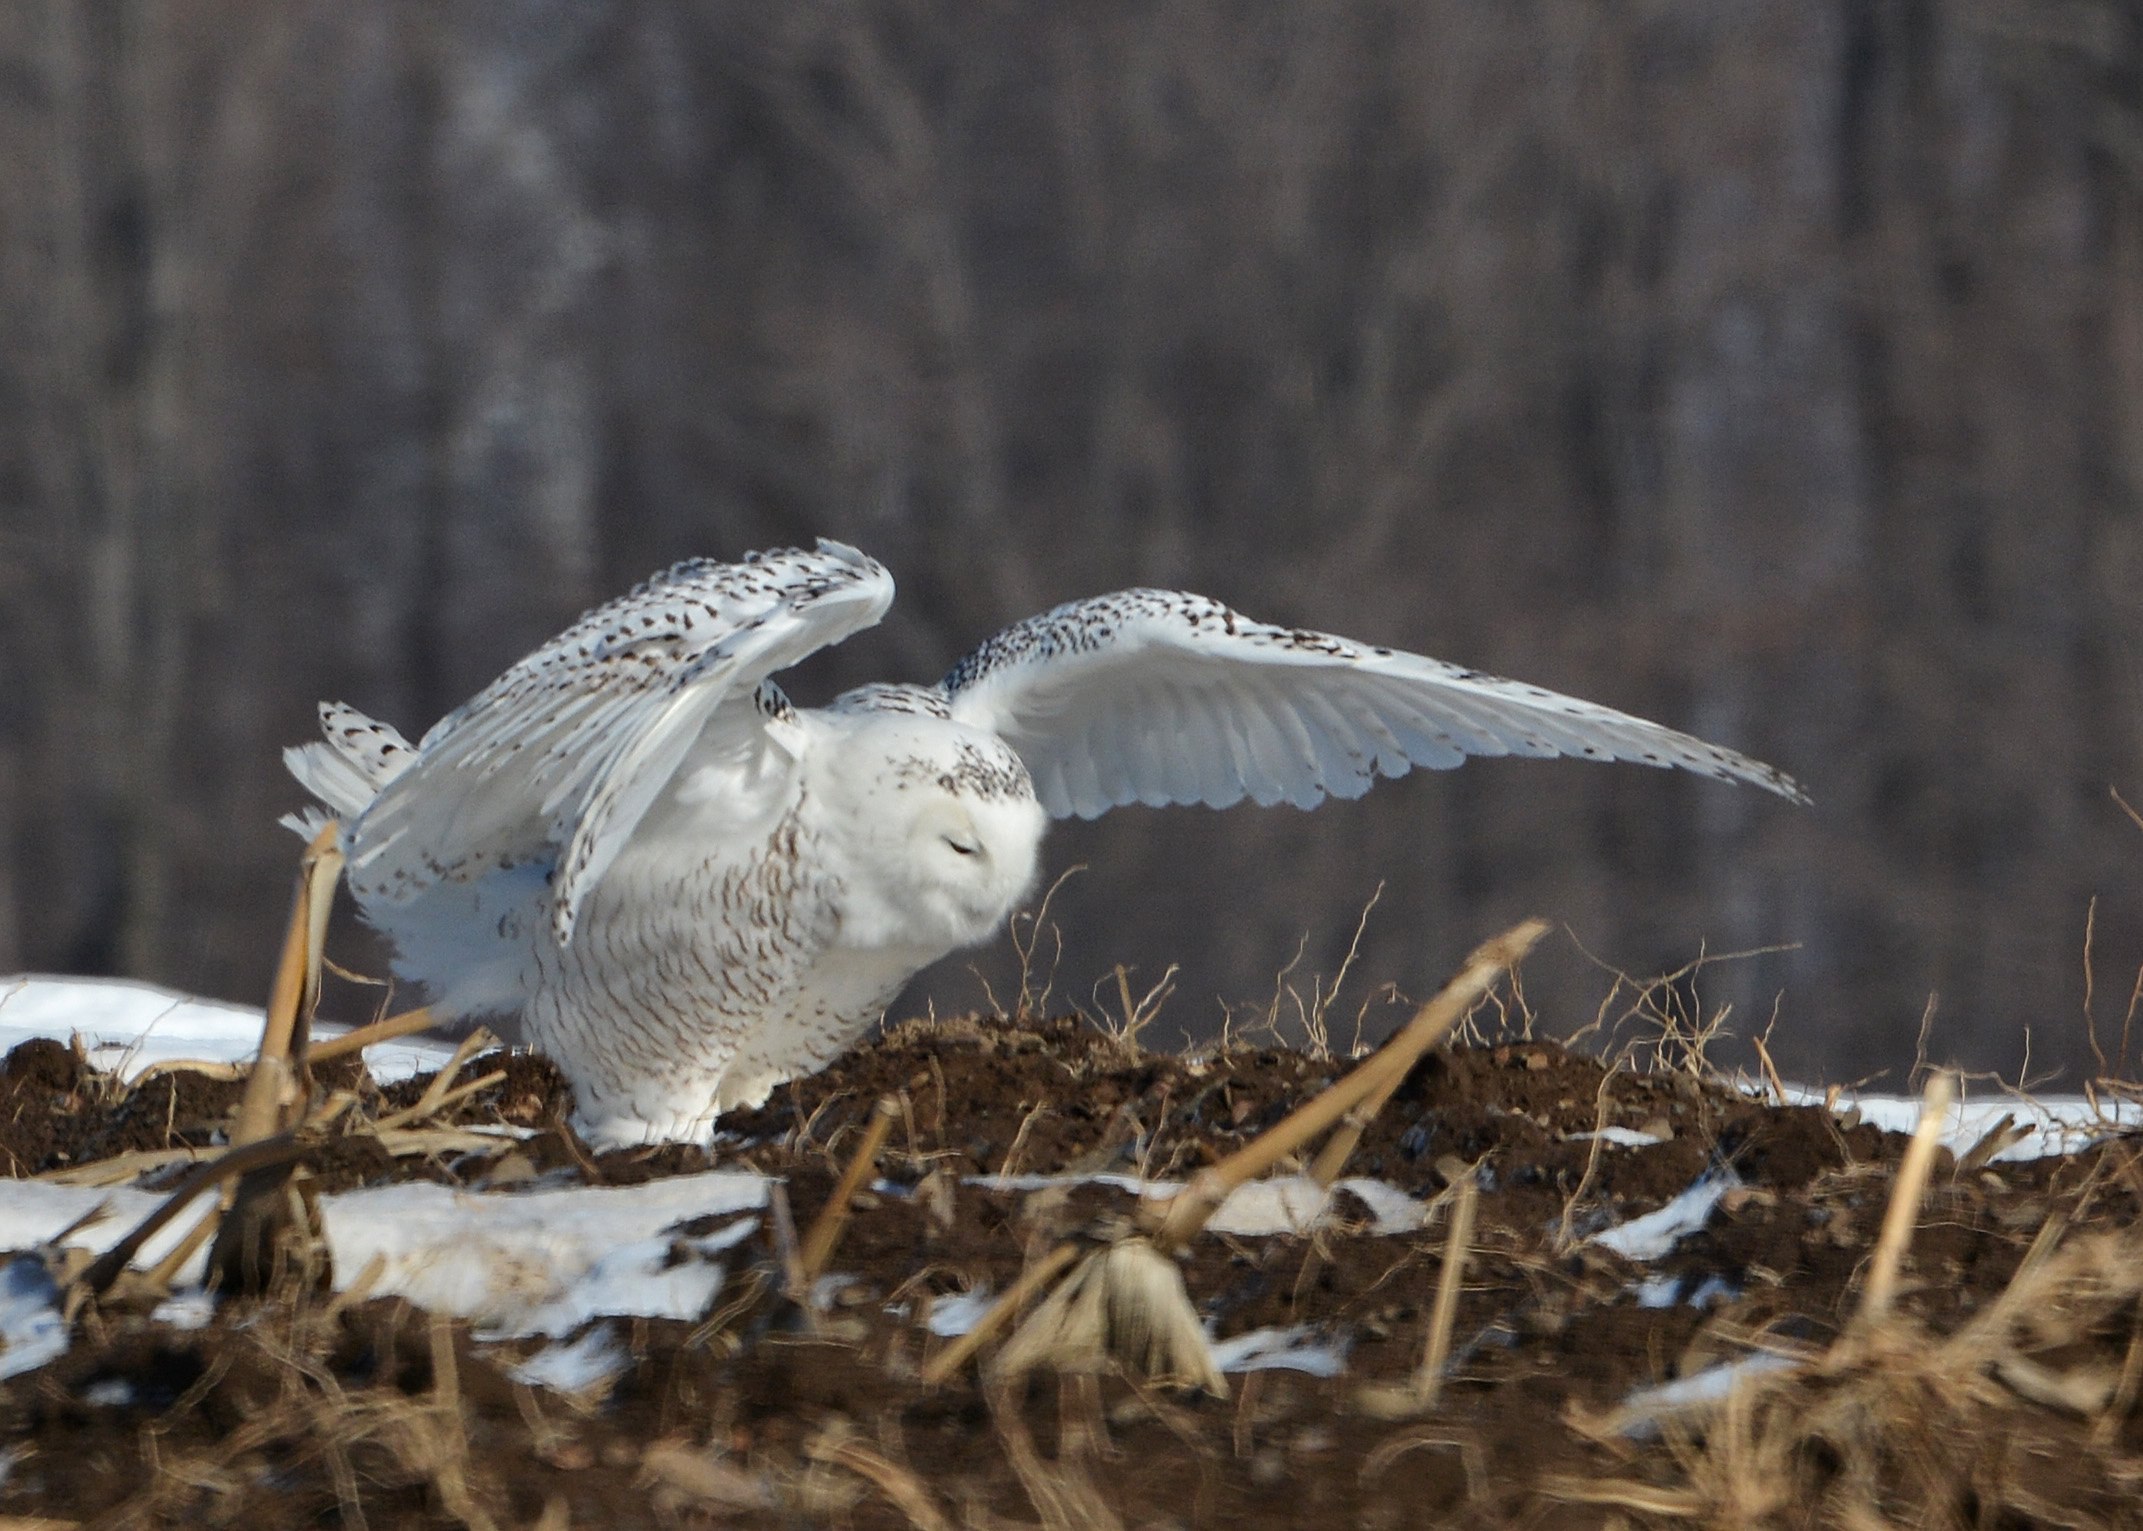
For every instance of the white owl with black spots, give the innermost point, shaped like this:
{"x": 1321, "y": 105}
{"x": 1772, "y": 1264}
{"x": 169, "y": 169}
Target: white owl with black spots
{"x": 690, "y": 889}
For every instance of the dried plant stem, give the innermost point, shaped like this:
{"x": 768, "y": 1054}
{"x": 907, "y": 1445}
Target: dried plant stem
{"x": 120, "y": 1168}
{"x": 284, "y": 1148}
{"x": 278, "y": 1091}
{"x": 897, "y": 1483}
{"x": 398, "y": 1141}
{"x": 402, "y": 1142}
{"x": 2107, "y": 1426}
{"x": 2090, "y": 1017}
{"x": 405, "y": 1024}
{"x": 1771, "y": 1078}
{"x": 790, "y": 1257}
{"x": 358, "y": 1291}
{"x": 450, "y": 1432}
{"x": 436, "y": 1100}
{"x": 1339, "y": 1148}
{"x": 833, "y": 1217}
{"x": 166, "y": 1270}
{"x": 435, "y": 1093}
{"x": 1127, "y": 1301}
{"x": 271, "y": 1098}
{"x": 948, "y": 1361}
{"x": 1176, "y": 1220}
{"x": 1903, "y": 1213}
{"x": 207, "y": 1068}
{"x": 1063, "y": 1494}
{"x": 1429, "y": 1380}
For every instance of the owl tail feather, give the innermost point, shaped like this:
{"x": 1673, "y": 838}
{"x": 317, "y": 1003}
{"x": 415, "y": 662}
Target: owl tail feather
{"x": 345, "y": 772}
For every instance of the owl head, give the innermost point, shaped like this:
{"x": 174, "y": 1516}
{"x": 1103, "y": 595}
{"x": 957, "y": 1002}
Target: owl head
{"x": 941, "y": 832}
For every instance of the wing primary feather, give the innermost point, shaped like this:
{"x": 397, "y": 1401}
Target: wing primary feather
{"x": 1107, "y": 748}
{"x": 1434, "y": 738}
{"x": 1286, "y": 772}
{"x": 1307, "y": 788}
{"x": 1222, "y": 769}
{"x": 1346, "y": 763}
{"x": 1267, "y": 773}
{"x": 1393, "y": 758}
{"x": 1530, "y": 731}
{"x": 1050, "y": 787}
{"x": 1161, "y": 772}
{"x": 1138, "y": 749}
{"x": 1169, "y": 729}
{"x": 1082, "y": 778}
{"x": 1465, "y": 727}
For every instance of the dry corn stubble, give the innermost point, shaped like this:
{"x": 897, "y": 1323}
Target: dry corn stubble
{"x": 1126, "y": 1305}
{"x": 753, "y": 1401}
{"x": 1895, "y": 1419}
{"x": 1893, "y": 1427}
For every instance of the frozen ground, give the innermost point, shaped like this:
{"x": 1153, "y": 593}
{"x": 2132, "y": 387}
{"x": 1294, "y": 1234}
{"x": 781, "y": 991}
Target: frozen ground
{"x": 1639, "y": 1233}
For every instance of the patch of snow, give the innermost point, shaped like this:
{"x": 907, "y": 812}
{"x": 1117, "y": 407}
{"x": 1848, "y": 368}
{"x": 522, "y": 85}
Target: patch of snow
{"x": 1667, "y": 1292}
{"x": 827, "y": 1290}
{"x": 126, "y": 1027}
{"x": 1295, "y": 1204}
{"x": 186, "y": 1310}
{"x": 1394, "y": 1210}
{"x": 1643, "y": 1408}
{"x": 955, "y": 1315}
{"x": 576, "y": 1366}
{"x": 1620, "y": 1137}
{"x": 1651, "y": 1236}
{"x": 36, "y": 1212}
{"x": 1281, "y": 1204}
{"x": 1046, "y": 1182}
{"x": 1281, "y": 1349}
{"x": 31, "y": 1329}
{"x": 111, "y": 1393}
{"x": 2056, "y": 1124}
{"x": 542, "y": 1262}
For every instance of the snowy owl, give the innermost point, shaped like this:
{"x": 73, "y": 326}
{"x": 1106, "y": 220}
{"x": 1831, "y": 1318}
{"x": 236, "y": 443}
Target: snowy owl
{"x": 690, "y": 889}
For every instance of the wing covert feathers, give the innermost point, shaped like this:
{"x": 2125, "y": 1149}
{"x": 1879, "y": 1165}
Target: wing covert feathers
{"x": 561, "y": 756}
{"x": 1148, "y": 696}
{"x": 1159, "y": 696}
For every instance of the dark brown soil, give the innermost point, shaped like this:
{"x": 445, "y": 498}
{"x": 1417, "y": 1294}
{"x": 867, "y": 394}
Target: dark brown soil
{"x": 288, "y": 1411}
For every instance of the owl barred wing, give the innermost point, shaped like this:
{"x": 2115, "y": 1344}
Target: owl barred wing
{"x": 560, "y": 757}
{"x": 1157, "y": 697}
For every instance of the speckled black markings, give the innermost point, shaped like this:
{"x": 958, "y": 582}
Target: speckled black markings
{"x": 1491, "y": 711}
{"x": 773, "y": 703}
{"x": 637, "y": 998}
{"x": 359, "y": 737}
{"x": 624, "y": 647}
{"x": 990, "y": 775}
{"x": 886, "y": 696}
{"x": 1089, "y": 626}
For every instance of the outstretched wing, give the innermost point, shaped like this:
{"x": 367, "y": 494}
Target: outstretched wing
{"x": 1157, "y": 696}
{"x": 560, "y": 757}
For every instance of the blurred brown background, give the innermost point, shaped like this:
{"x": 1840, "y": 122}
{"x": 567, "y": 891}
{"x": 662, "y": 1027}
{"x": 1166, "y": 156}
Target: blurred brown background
{"x": 1774, "y": 371}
